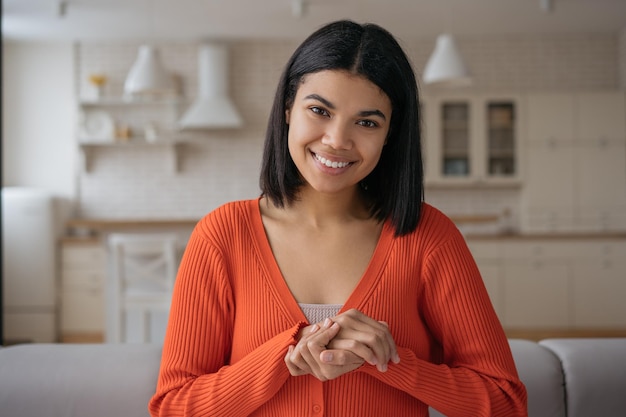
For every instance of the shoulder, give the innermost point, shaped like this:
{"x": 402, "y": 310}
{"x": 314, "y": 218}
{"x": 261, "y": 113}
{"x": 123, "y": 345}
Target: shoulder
{"x": 433, "y": 229}
{"x": 227, "y": 220}
{"x": 434, "y": 222}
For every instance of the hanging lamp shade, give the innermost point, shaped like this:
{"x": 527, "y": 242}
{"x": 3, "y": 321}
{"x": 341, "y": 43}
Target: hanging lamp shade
{"x": 446, "y": 66}
{"x": 147, "y": 76}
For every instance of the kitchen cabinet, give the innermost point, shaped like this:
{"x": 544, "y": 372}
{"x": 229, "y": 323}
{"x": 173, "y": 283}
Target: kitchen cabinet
{"x": 83, "y": 274}
{"x": 473, "y": 140}
{"x": 601, "y": 161}
{"x": 576, "y": 165}
{"x": 122, "y": 123}
{"x": 536, "y": 282}
{"x": 550, "y": 187}
{"x": 599, "y": 285}
{"x": 555, "y": 284}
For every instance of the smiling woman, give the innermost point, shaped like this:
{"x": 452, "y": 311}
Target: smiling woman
{"x": 340, "y": 230}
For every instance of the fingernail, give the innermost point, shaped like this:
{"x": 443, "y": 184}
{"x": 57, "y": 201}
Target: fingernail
{"x": 314, "y": 328}
{"x": 396, "y": 358}
{"x": 326, "y": 356}
{"x": 327, "y": 323}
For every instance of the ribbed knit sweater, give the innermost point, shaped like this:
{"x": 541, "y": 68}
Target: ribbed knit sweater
{"x": 233, "y": 318}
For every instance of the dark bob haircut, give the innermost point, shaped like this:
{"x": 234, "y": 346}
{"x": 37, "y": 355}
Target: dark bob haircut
{"x": 394, "y": 189}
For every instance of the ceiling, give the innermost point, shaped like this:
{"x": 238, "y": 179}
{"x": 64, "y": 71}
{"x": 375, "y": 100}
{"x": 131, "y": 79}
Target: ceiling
{"x": 85, "y": 20}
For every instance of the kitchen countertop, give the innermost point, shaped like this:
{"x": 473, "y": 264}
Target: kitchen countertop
{"x": 547, "y": 236}
{"x": 120, "y": 224}
{"x": 85, "y": 227}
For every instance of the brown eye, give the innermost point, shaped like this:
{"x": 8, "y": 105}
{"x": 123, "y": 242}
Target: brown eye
{"x": 319, "y": 110}
{"x": 367, "y": 123}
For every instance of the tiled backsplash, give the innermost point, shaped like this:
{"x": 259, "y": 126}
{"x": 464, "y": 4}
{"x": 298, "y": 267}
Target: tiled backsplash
{"x": 134, "y": 182}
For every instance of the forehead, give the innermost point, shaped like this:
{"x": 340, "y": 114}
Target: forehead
{"x": 342, "y": 86}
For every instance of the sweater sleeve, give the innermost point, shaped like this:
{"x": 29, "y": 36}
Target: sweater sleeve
{"x": 476, "y": 375}
{"x": 196, "y": 377}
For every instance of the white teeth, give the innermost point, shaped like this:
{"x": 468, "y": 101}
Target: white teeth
{"x": 331, "y": 164}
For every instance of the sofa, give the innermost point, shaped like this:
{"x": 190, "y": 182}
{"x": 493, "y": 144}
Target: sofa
{"x": 564, "y": 377}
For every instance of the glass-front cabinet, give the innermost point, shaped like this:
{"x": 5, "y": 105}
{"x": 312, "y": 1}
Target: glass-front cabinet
{"x": 472, "y": 140}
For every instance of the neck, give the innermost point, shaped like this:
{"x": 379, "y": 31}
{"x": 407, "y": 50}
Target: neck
{"x": 321, "y": 210}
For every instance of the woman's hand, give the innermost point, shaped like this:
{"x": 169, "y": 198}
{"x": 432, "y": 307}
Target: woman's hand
{"x": 311, "y": 356}
{"x": 334, "y": 348}
{"x": 365, "y": 337}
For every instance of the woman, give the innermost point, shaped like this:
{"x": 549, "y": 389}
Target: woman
{"x": 337, "y": 292}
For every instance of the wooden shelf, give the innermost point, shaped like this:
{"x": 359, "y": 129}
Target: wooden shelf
{"x": 88, "y": 148}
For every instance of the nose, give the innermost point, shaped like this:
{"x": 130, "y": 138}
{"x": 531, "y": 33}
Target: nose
{"x": 337, "y": 135}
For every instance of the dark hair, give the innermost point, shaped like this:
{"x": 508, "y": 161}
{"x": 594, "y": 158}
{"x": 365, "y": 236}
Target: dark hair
{"x": 394, "y": 189}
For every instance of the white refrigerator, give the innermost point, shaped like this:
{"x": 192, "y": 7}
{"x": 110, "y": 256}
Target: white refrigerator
{"x": 29, "y": 266}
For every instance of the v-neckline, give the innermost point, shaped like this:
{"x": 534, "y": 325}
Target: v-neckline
{"x": 357, "y": 297}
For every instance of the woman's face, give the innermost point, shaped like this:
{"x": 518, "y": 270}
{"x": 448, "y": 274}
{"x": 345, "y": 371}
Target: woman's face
{"x": 338, "y": 125}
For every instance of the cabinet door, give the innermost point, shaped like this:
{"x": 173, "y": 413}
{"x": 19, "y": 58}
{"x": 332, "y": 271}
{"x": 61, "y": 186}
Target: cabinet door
{"x": 82, "y": 310}
{"x": 601, "y": 115}
{"x": 599, "y": 286}
{"x": 548, "y": 196}
{"x": 601, "y": 161}
{"x": 449, "y": 136}
{"x": 598, "y": 295}
{"x": 83, "y": 256}
{"x": 549, "y": 189}
{"x": 550, "y": 117}
{"x": 601, "y": 186}
{"x": 82, "y": 288}
{"x": 536, "y": 295}
{"x": 502, "y": 118}
{"x": 473, "y": 139}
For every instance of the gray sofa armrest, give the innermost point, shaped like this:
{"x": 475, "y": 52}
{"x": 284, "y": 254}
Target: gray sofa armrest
{"x": 540, "y": 371}
{"x": 77, "y": 380}
{"x": 595, "y": 375}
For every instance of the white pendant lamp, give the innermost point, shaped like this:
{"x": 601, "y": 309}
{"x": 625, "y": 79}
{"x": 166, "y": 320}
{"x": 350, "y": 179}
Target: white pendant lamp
{"x": 446, "y": 66}
{"x": 147, "y": 76}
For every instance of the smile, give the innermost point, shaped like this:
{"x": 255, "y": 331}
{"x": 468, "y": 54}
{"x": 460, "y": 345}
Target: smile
{"x": 331, "y": 164}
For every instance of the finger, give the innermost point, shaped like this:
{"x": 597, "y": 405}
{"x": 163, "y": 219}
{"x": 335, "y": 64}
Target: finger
{"x": 362, "y": 350}
{"x": 372, "y": 333}
{"x": 340, "y": 357}
{"x": 293, "y": 369}
{"x": 305, "y": 355}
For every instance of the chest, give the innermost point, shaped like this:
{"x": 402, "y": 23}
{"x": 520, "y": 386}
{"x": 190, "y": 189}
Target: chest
{"x": 323, "y": 268}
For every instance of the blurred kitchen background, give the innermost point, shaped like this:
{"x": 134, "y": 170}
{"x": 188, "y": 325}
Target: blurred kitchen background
{"x": 110, "y": 130}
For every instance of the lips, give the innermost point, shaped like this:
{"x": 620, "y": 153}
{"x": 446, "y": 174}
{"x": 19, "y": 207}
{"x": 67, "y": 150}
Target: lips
{"x": 331, "y": 164}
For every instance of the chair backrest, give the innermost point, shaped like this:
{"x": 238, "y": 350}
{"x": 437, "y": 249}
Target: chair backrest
{"x": 144, "y": 263}
{"x": 139, "y": 288}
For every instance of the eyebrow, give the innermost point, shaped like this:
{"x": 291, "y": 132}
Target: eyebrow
{"x": 364, "y": 113}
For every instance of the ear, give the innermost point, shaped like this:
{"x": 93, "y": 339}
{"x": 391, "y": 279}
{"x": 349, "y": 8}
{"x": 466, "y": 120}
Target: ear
{"x": 287, "y": 115}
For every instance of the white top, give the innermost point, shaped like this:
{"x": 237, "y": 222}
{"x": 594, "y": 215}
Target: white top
{"x": 316, "y": 313}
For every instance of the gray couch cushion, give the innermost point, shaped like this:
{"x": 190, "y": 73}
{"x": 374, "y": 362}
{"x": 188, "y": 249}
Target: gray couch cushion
{"x": 595, "y": 375}
{"x": 540, "y": 370}
{"x": 78, "y": 380}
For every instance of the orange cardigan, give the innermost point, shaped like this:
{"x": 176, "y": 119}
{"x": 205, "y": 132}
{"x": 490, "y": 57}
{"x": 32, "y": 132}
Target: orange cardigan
{"x": 233, "y": 318}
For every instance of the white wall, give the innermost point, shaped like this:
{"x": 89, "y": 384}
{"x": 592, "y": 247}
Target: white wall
{"x": 39, "y": 116}
{"x": 42, "y": 82}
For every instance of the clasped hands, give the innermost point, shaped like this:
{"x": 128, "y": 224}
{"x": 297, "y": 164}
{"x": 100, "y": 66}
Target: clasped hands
{"x": 340, "y": 345}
